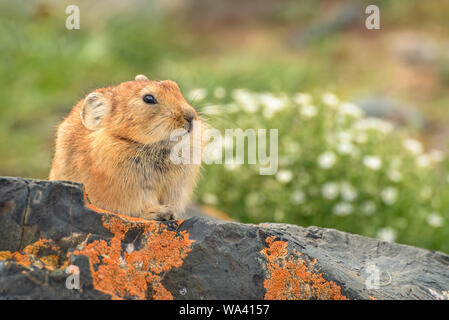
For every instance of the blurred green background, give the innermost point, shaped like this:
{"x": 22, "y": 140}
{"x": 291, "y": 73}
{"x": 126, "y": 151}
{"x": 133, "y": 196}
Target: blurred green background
{"x": 336, "y": 170}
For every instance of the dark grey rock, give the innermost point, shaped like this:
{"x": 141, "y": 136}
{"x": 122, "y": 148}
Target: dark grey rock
{"x": 224, "y": 261}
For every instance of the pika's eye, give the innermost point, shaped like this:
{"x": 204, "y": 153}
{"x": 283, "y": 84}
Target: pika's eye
{"x": 148, "y": 98}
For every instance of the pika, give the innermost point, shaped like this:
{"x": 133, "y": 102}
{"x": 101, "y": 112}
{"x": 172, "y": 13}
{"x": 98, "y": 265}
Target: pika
{"x": 116, "y": 142}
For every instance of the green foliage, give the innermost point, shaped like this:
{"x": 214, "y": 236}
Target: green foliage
{"x": 337, "y": 169}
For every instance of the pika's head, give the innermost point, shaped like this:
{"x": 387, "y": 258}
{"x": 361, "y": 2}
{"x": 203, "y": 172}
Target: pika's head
{"x": 143, "y": 110}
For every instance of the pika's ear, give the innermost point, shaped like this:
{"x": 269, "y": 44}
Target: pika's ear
{"x": 141, "y": 77}
{"x": 95, "y": 107}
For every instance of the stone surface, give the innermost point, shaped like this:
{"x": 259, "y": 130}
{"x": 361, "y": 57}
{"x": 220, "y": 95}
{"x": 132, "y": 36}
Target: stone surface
{"x": 45, "y": 228}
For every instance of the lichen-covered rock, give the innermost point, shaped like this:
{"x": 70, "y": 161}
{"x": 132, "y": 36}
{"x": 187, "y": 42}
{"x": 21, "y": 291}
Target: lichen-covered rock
{"x": 54, "y": 247}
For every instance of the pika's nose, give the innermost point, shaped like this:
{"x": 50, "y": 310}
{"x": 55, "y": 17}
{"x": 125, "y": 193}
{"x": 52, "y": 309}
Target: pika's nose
{"x": 189, "y": 116}
{"x": 189, "y": 123}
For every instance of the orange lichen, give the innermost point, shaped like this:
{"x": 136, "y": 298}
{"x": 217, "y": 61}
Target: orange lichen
{"x": 291, "y": 279}
{"x": 135, "y": 273}
{"x": 22, "y": 259}
{"x": 51, "y": 261}
{"x": 42, "y": 253}
{"x": 121, "y": 273}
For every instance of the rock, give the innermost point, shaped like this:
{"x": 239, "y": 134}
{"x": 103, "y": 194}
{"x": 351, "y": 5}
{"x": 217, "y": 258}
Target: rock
{"x": 53, "y": 247}
{"x": 397, "y": 112}
{"x": 418, "y": 50}
{"x": 348, "y": 13}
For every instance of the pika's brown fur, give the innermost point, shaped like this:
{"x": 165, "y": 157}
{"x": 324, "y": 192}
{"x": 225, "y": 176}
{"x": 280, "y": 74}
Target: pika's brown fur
{"x": 118, "y": 147}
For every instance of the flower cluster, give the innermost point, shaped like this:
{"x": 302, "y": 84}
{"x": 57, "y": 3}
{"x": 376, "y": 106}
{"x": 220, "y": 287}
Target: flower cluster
{"x": 337, "y": 168}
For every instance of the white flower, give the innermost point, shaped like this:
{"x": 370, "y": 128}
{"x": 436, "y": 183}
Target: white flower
{"x": 330, "y": 190}
{"x": 298, "y": 197}
{"x": 284, "y": 176}
{"x": 330, "y": 99}
{"x": 372, "y": 162}
{"x": 210, "y": 198}
{"x": 268, "y": 113}
{"x": 342, "y": 209}
{"x": 435, "y": 220}
{"x": 394, "y": 175}
{"x": 346, "y": 148}
{"x": 250, "y": 108}
{"x": 271, "y": 104}
{"x": 327, "y": 160}
{"x": 309, "y": 111}
{"x": 389, "y": 195}
{"x": 423, "y": 161}
{"x": 246, "y": 100}
{"x": 351, "y": 110}
{"x": 361, "y": 137}
{"x": 344, "y": 136}
{"x": 413, "y": 146}
{"x": 231, "y": 165}
{"x": 302, "y": 98}
{"x": 219, "y": 92}
{"x": 379, "y": 125}
{"x": 368, "y": 208}
{"x": 197, "y": 94}
{"x": 348, "y": 192}
{"x": 243, "y": 96}
{"x": 387, "y": 234}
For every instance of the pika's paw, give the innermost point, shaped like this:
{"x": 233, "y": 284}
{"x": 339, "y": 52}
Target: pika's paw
{"x": 158, "y": 213}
